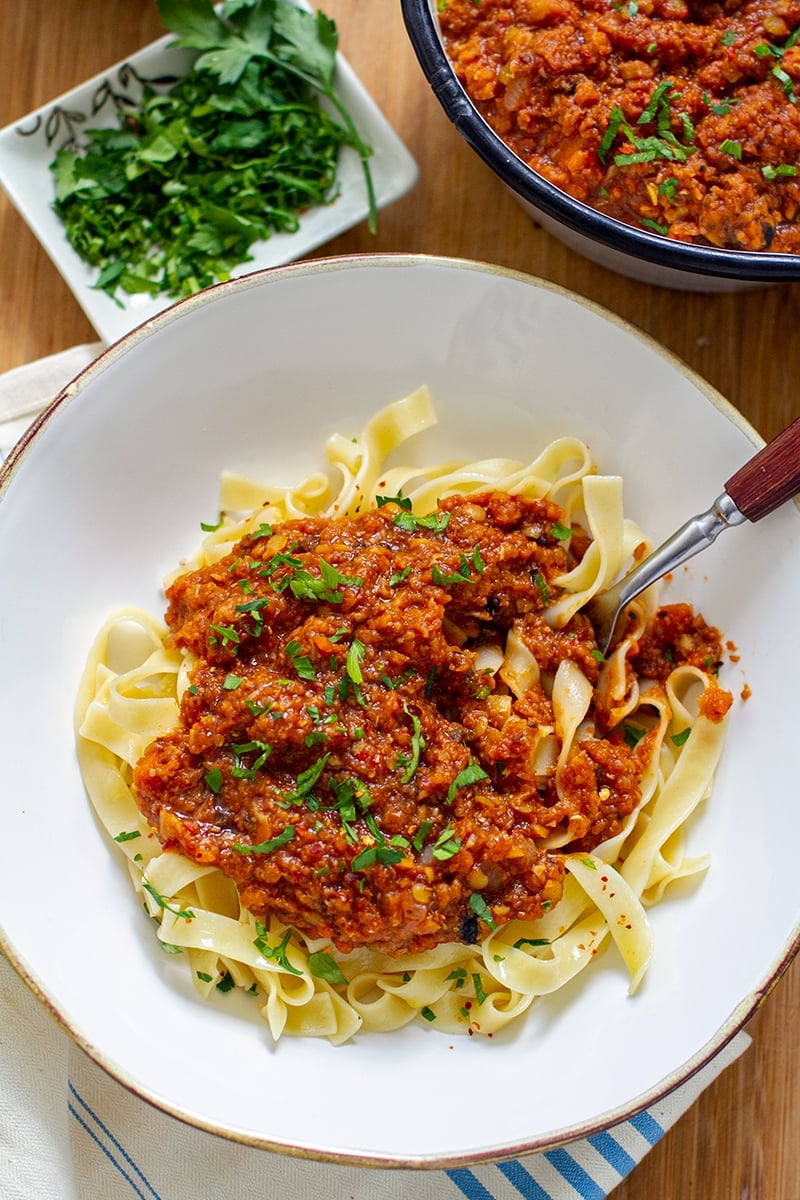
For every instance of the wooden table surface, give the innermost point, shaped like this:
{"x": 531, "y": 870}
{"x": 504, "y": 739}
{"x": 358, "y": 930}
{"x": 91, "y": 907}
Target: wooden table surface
{"x": 741, "y": 1141}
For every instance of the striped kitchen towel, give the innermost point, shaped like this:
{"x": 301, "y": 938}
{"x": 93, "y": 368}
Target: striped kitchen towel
{"x": 70, "y": 1132}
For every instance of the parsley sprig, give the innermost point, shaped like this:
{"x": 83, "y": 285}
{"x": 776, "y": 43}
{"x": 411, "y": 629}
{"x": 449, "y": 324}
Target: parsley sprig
{"x": 770, "y": 50}
{"x": 175, "y": 196}
{"x": 661, "y": 144}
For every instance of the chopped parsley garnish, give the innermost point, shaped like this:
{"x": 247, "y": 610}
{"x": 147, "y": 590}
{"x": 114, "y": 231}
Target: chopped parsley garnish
{"x": 446, "y": 845}
{"x": 480, "y": 991}
{"x": 305, "y": 586}
{"x": 355, "y": 657}
{"x": 418, "y": 841}
{"x": 768, "y": 49}
{"x": 386, "y": 855}
{"x": 482, "y": 910}
{"x": 399, "y": 576}
{"x": 722, "y": 107}
{"x": 661, "y": 144}
{"x": 473, "y": 773}
{"x": 252, "y": 606}
{"x": 270, "y": 568}
{"x": 165, "y": 903}
{"x": 779, "y": 171}
{"x": 541, "y": 583}
{"x": 127, "y": 836}
{"x": 668, "y": 188}
{"x": 678, "y": 739}
{"x": 301, "y": 662}
{"x": 267, "y": 847}
{"x": 324, "y": 966}
{"x": 213, "y": 780}
{"x": 232, "y": 682}
{"x": 278, "y": 953}
{"x": 427, "y": 1013}
{"x": 306, "y": 780}
{"x": 633, "y": 734}
{"x": 239, "y": 770}
{"x": 401, "y": 501}
{"x": 417, "y": 746}
{"x": 174, "y": 197}
{"x": 225, "y": 633}
{"x": 435, "y": 522}
{"x": 458, "y": 976}
{"x": 730, "y": 147}
{"x": 462, "y": 575}
{"x": 351, "y": 795}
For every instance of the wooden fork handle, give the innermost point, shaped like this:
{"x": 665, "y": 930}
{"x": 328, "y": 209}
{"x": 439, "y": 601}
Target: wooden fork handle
{"x": 769, "y": 478}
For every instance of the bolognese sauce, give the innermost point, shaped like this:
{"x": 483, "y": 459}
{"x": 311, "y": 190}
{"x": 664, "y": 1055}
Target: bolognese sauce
{"x": 345, "y": 753}
{"x": 679, "y": 116}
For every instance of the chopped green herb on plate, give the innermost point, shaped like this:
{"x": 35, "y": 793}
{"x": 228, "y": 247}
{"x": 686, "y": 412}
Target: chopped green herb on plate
{"x": 174, "y": 196}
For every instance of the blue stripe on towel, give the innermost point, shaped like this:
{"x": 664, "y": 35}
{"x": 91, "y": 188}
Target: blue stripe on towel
{"x": 648, "y": 1127}
{"x": 469, "y": 1184}
{"x": 85, "y": 1126}
{"x": 615, "y": 1155}
{"x": 575, "y": 1175}
{"x": 523, "y": 1181}
{"x": 150, "y": 1193}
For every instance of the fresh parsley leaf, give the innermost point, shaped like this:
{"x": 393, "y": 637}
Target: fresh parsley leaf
{"x": 306, "y": 780}
{"x": 278, "y": 953}
{"x": 214, "y": 780}
{"x": 473, "y": 773}
{"x": 417, "y": 746}
{"x": 301, "y": 662}
{"x": 267, "y": 847}
{"x": 482, "y": 910}
{"x": 324, "y": 966}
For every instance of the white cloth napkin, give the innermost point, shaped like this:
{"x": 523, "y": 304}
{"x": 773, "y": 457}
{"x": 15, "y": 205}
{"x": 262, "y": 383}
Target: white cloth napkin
{"x": 70, "y": 1132}
{"x": 26, "y": 390}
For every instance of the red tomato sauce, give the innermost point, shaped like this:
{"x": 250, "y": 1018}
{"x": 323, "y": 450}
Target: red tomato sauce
{"x": 343, "y": 754}
{"x": 682, "y": 118}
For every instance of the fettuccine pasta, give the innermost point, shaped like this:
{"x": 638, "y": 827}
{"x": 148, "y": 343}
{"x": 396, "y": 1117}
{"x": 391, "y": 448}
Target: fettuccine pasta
{"x": 140, "y": 682}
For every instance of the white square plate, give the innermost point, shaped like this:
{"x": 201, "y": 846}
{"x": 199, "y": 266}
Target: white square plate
{"x": 29, "y": 146}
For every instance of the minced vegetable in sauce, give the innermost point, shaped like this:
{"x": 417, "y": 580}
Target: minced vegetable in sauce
{"x": 679, "y": 117}
{"x": 344, "y": 753}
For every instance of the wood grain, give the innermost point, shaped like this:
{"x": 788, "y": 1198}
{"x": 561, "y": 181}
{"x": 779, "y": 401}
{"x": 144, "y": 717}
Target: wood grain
{"x": 741, "y": 1140}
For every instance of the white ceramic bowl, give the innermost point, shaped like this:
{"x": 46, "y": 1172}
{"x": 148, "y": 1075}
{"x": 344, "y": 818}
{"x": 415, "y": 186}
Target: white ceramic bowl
{"x": 624, "y": 248}
{"x": 106, "y": 495}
